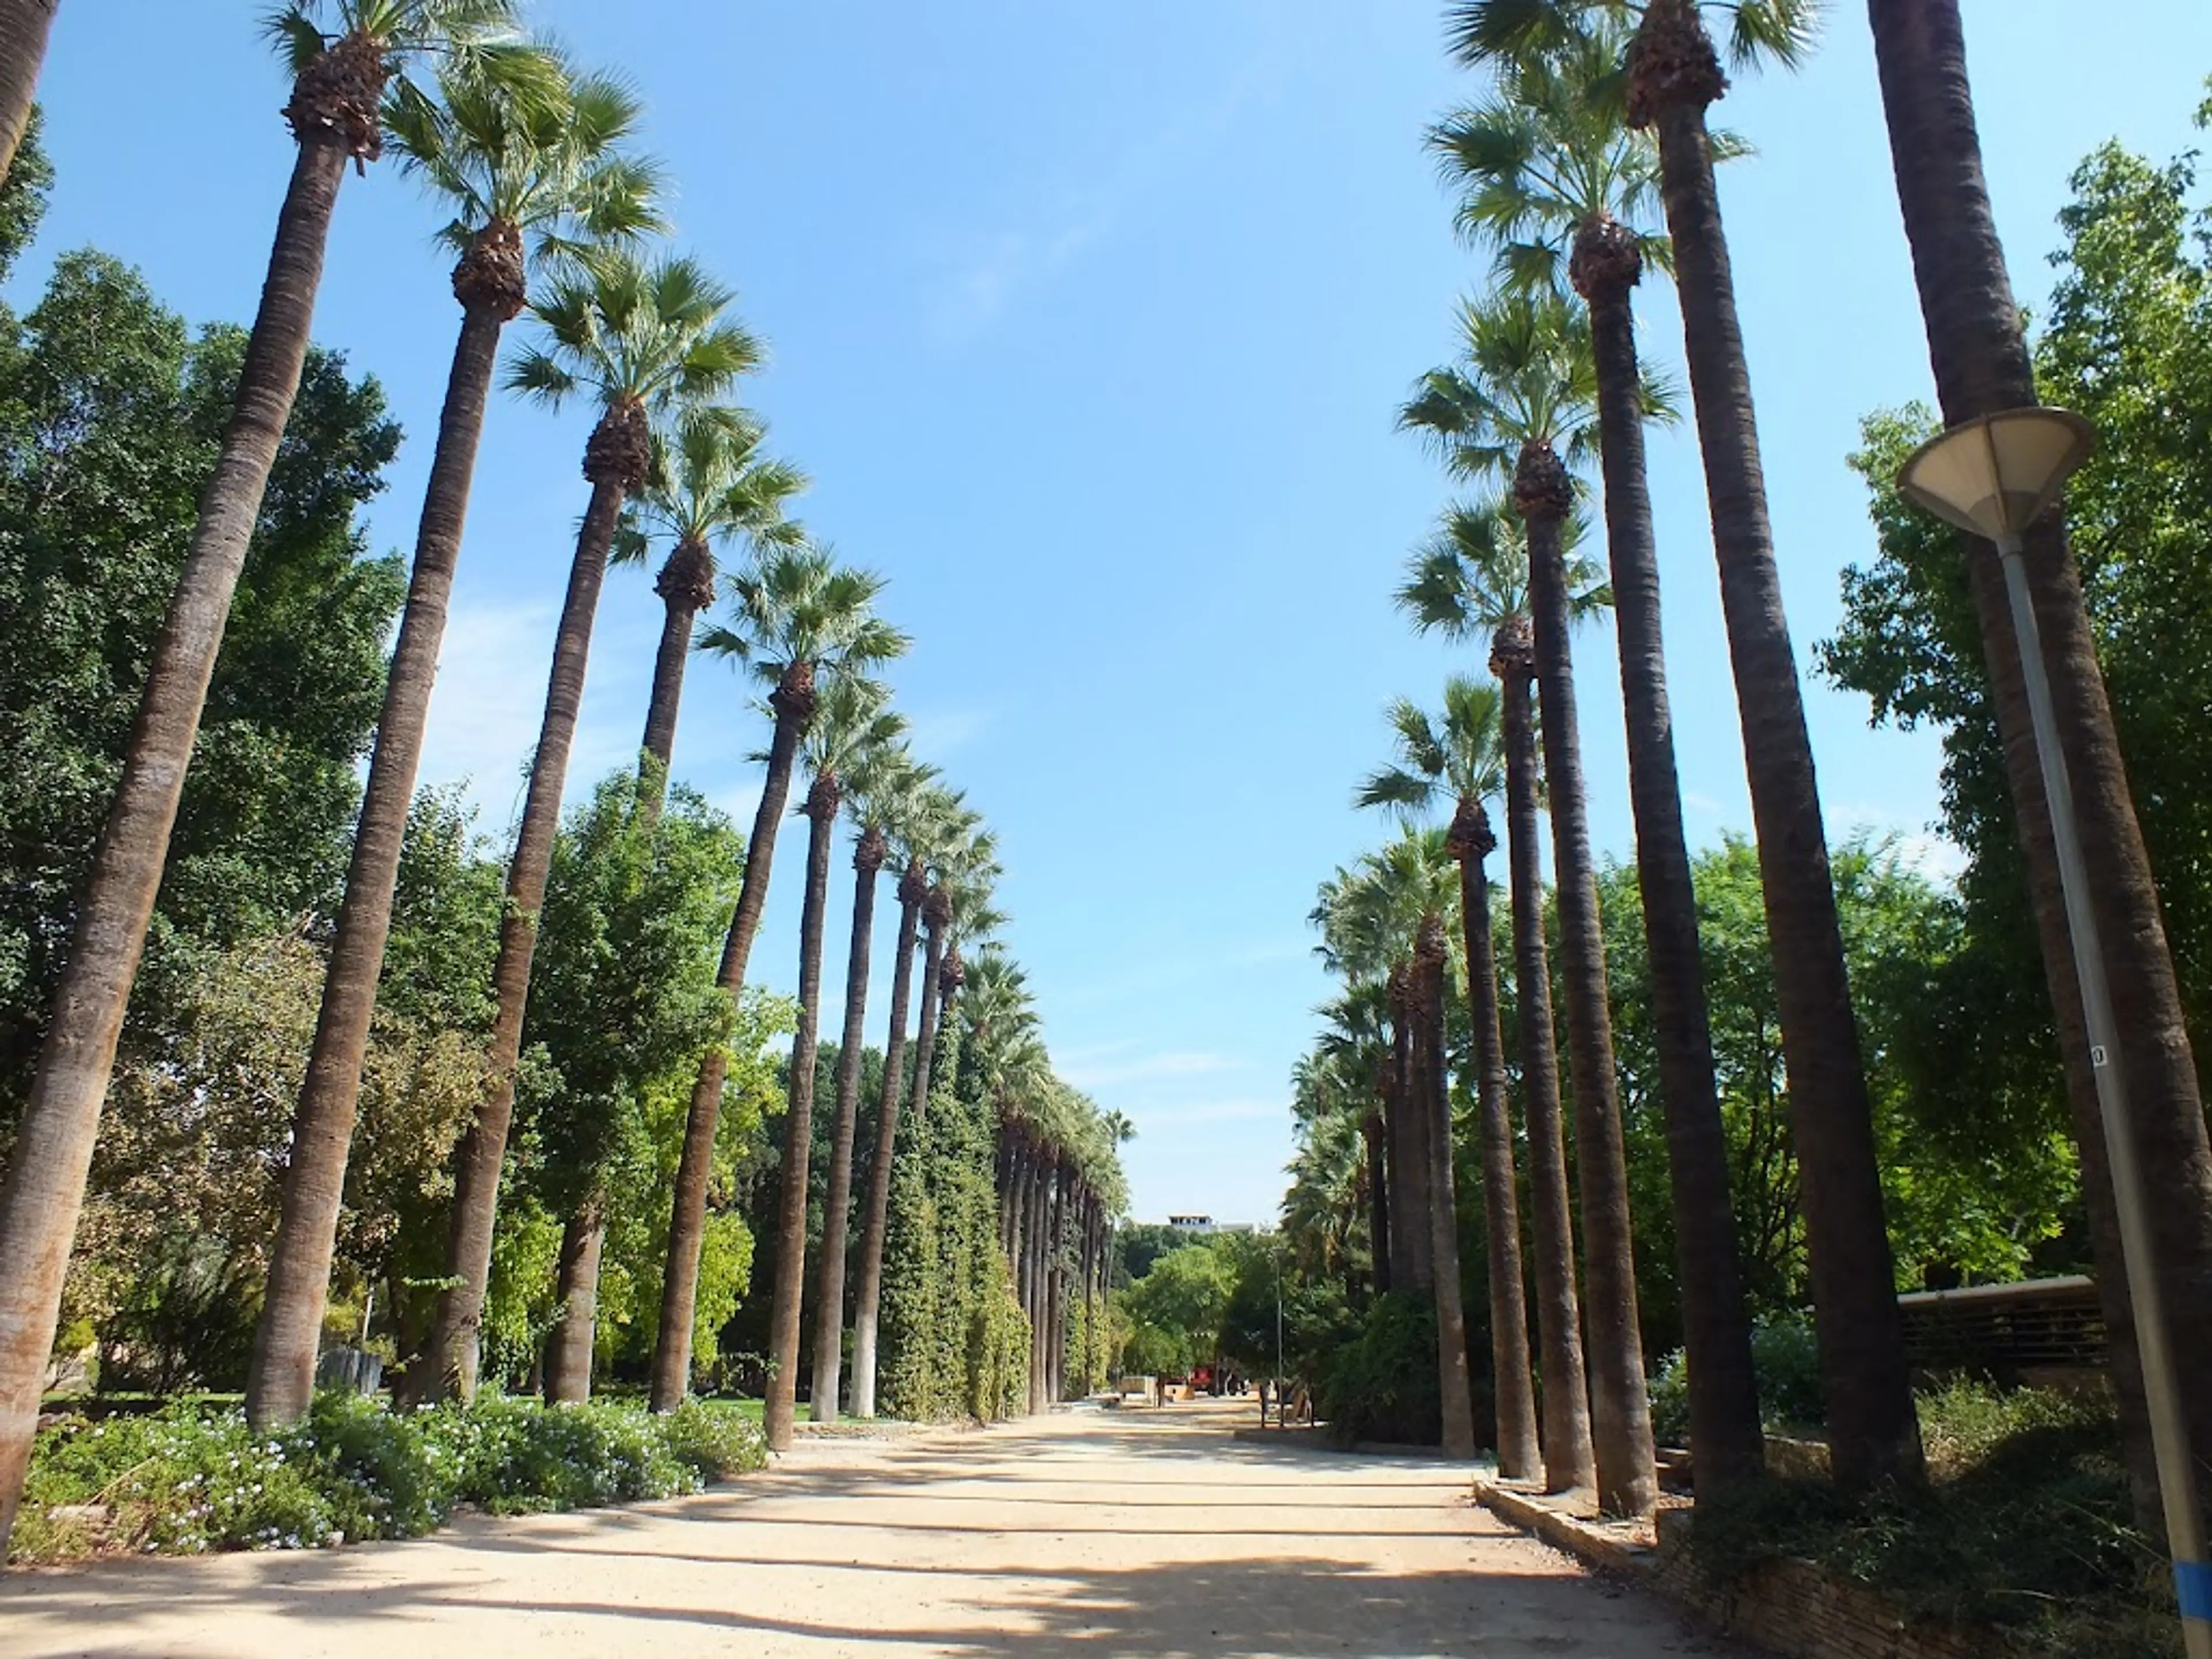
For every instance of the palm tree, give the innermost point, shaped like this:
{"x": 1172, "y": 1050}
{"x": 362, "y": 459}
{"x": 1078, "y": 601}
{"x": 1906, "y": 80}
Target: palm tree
{"x": 1367, "y": 939}
{"x": 710, "y": 482}
{"x": 637, "y": 338}
{"x": 1981, "y": 366}
{"x": 1560, "y": 186}
{"x": 24, "y": 26}
{"x": 881, "y": 788}
{"x": 922, "y": 829}
{"x": 1528, "y": 386}
{"x": 1472, "y": 579}
{"x": 958, "y": 906}
{"x": 1458, "y": 754}
{"x": 528, "y": 174}
{"x": 1674, "y": 75}
{"x": 1352, "y": 1045}
{"x": 797, "y": 618}
{"x": 337, "y": 87}
{"x": 1387, "y": 914}
{"x": 850, "y": 725}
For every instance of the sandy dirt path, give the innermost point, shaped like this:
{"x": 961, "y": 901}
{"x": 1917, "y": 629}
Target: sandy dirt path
{"x": 1152, "y": 1535}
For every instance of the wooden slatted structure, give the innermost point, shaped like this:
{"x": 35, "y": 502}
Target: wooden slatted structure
{"x": 2007, "y": 1330}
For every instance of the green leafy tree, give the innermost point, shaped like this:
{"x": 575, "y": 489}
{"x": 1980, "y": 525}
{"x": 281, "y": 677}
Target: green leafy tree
{"x": 1176, "y": 1310}
{"x": 2125, "y": 344}
{"x": 623, "y": 1004}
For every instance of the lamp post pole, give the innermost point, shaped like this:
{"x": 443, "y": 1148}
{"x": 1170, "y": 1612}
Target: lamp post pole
{"x": 2177, "y": 1482}
{"x": 1994, "y": 476}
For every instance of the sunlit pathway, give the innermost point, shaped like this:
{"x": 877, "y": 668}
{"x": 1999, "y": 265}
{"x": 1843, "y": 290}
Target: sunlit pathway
{"x": 1144, "y": 1533}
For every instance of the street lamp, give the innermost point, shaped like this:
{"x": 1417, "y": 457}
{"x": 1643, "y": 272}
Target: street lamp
{"x": 1993, "y": 477}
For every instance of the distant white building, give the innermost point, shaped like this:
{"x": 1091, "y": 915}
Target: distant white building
{"x": 1205, "y": 1224}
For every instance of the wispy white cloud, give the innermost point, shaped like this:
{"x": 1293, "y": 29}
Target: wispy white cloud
{"x": 945, "y": 732}
{"x": 981, "y": 274}
{"x": 1107, "y": 1071}
{"x": 984, "y": 277}
{"x": 1244, "y": 1110}
{"x": 489, "y": 700}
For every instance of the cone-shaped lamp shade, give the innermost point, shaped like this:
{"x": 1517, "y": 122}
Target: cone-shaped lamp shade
{"x": 1993, "y": 475}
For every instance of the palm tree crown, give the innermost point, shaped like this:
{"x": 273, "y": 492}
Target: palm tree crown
{"x": 1471, "y": 576}
{"x": 796, "y": 608}
{"x": 538, "y": 157}
{"x": 710, "y": 480}
{"x": 1552, "y": 151}
{"x": 1782, "y": 33}
{"x": 639, "y": 336}
{"x": 1456, "y": 753}
{"x": 343, "y": 54}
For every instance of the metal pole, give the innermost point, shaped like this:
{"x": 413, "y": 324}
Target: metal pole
{"x": 2169, "y": 1429}
{"x": 1281, "y": 1420}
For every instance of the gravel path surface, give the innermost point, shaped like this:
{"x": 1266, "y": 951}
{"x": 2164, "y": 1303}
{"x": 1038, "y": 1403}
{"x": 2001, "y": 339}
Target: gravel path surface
{"x": 1148, "y": 1534}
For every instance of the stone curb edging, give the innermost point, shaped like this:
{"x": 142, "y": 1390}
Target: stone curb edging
{"x": 1589, "y": 1542}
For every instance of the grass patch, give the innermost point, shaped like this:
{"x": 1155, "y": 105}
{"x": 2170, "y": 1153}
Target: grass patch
{"x": 194, "y": 1477}
{"x": 2026, "y": 1526}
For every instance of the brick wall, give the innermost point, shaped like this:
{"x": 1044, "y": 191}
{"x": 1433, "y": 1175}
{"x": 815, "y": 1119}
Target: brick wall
{"x": 1800, "y": 1613}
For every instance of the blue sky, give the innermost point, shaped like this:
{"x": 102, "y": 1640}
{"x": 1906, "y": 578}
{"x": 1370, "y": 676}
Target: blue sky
{"x": 1089, "y": 324}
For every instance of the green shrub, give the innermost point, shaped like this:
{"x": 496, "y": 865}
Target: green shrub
{"x": 2025, "y": 1524}
{"x": 188, "y": 1480}
{"x": 1784, "y": 1356}
{"x": 1382, "y": 1385}
{"x": 177, "y": 1483}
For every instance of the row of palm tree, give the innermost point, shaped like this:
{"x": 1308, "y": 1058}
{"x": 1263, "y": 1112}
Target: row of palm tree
{"x": 1557, "y": 176}
{"x": 1590, "y": 162}
{"x": 555, "y": 218}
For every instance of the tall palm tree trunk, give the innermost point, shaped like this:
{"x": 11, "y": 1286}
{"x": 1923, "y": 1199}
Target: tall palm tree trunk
{"x": 1570, "y": 1462}
{"x": 686, "y": 586}
{"x": 1040, "y": 1234}
{"x": 1453, "y": 1389}
{"x": 1725, "y": 1439}
{"x": 1627, "y": 1478}
{"x": 576, "y": 1299}
{"x": 614, "y": 461}
{"x": 490, "y": 284}
{"x": 781, "y": 1405}
{"x": 1375, "y": 1131}
{"x": 1981, "y": 366}
{"x": 24, "y": 26}
{"x": 792, "y": 701}
{"x": 1413, "y": 1266}
{"x": 1874, "y": 1433}
{"x": 1421, "y": 1196}
{"x": 1518, "y": 1454}
{"x": 44, "y": 1188}
{"x": 937, "y": 916}
{"x": 829, "y": 1296}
